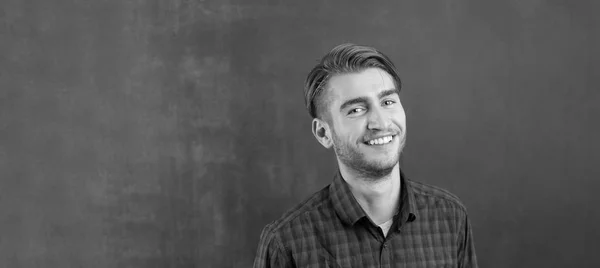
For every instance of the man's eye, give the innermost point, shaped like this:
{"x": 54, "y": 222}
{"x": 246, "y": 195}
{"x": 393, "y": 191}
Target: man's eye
{"x": 355, "y": 110}
{"x": 388, "y": 102}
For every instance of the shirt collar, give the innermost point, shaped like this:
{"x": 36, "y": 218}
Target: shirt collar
{"x": 344, "y": 203}
{"x": 408, "y": 206}
{"x": 349, "y": 210}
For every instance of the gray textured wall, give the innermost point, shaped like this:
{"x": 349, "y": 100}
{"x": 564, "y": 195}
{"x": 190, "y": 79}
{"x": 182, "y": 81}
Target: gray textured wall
{"x": 168, "y": 133}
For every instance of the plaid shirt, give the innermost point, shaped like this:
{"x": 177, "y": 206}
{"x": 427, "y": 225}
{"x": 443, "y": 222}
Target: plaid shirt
{"x": 330, "y": 229}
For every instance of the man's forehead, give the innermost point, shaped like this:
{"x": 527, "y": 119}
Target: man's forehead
{"x": 370, "y": 82}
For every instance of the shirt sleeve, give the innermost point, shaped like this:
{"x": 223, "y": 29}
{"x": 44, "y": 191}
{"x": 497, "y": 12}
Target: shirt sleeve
{"x": 271, "y": 253}
{"x": 466, "y": 247}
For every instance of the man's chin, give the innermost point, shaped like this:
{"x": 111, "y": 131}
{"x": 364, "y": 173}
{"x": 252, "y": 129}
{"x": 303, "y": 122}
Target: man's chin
{"x": 377, "y": 172}
{"x": 377, "y": 169}
{"x": 383, "y": 162}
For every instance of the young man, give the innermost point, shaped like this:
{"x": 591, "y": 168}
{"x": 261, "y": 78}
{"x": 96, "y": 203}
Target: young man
{"x": 371, "y": 215}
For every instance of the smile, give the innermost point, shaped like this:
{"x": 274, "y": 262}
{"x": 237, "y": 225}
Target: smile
{"x": 380, "y": 141}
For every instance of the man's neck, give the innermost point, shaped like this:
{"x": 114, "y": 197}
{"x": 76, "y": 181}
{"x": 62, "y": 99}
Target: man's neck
{"x": 378, "y": 197}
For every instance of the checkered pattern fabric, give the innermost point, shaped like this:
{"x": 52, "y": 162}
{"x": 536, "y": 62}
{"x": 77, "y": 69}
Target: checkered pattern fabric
{"x": 330, "y": 229}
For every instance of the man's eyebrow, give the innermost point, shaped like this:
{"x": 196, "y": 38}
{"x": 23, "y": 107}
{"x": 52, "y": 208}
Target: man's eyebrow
{"x": 388, "y": 92}
{"x": 353, "y": 101}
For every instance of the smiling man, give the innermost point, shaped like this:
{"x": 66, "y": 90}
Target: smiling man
{"x": 371, "y": 215}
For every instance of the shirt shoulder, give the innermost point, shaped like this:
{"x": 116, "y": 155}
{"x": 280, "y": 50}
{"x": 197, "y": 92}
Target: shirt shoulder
{"x": 292, "y": 217}
{"x": 427, "y": 195}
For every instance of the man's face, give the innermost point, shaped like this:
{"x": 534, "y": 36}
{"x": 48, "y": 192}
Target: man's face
{"x": 367, "y": 121}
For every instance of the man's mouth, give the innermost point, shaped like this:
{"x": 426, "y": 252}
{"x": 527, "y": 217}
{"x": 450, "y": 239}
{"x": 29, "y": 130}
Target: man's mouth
{"x": 380, "y": 141}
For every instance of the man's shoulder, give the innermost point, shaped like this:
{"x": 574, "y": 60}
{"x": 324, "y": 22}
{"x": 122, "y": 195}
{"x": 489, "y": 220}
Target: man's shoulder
{"x": 427, "y": 195}
{"x": 292, "y": 217}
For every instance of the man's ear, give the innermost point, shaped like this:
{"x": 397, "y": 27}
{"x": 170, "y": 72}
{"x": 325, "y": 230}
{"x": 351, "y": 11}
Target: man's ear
{"x": 322, "y": 132}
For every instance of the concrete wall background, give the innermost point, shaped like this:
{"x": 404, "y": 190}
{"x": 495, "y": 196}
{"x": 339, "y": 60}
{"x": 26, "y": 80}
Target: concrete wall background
{"x": 168, "y": 133}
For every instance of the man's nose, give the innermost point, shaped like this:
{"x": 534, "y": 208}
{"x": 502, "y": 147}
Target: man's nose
{"x": 377, "y": 119}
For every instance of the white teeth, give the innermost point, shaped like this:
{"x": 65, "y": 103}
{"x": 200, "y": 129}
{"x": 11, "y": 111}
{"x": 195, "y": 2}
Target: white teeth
{"x": 380, "y": 140}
